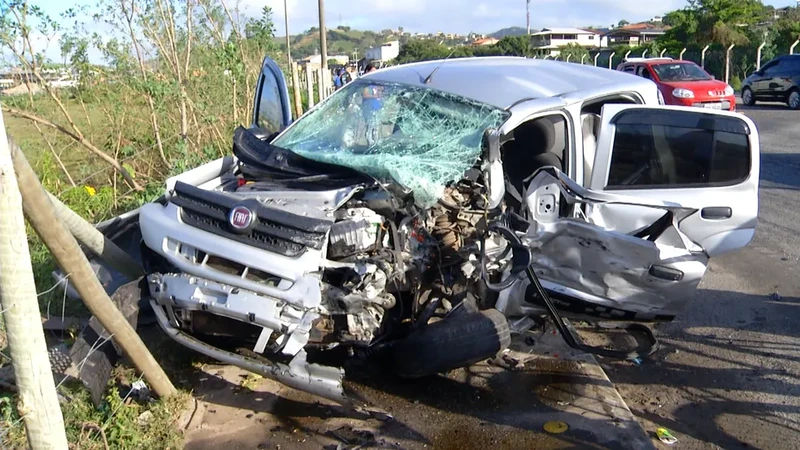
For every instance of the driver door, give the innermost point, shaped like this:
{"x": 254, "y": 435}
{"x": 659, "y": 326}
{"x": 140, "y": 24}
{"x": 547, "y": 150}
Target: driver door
{"x": 272, "y": 111}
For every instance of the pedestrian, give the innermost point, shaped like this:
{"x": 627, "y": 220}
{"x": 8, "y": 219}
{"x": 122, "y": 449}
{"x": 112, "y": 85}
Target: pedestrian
{"x": 337, "y": 79}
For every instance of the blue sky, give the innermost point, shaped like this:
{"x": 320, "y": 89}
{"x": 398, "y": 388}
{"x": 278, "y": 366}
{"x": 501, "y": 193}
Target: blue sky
{"x": 453, "y": 16}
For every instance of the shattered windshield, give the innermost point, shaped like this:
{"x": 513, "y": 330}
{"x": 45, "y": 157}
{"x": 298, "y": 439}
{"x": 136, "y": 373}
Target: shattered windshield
{"x": 418, "y": 137}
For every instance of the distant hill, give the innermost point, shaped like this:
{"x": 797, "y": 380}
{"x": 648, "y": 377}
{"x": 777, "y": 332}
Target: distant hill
{"x": 510, "y": 31}
{"x": 340, "y": 40}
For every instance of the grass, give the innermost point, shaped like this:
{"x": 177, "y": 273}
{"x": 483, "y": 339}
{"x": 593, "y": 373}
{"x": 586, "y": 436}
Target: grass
{"x": 119, "y": 421}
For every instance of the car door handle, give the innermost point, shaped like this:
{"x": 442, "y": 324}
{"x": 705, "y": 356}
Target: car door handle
{"x": 716, "y": 213}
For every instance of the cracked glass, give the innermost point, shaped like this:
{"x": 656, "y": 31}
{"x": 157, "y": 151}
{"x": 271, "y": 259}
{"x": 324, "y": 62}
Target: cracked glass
{"x": 421, "y": 138}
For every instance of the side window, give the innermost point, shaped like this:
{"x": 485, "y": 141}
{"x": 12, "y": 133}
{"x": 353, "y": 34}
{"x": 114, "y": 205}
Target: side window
{"x": 772, "y": 69}
{"x": 629, "y": 69}
{"x": 793, "y": 65}
{"x": 270, "y": 109}
{"x": 644, "y": 72}
{"x": 673, "y": 150}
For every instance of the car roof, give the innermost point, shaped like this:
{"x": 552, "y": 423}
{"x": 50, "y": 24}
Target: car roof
{"x": 503, "y": 81}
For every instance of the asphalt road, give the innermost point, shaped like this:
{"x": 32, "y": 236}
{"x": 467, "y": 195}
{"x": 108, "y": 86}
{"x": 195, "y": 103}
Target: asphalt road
{"x": 729, "y": 373}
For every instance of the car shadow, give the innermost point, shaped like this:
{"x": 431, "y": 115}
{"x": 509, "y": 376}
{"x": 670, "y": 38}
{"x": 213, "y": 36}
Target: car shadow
{"x": 782, "y": 169}
{"x": 722, "y": 385}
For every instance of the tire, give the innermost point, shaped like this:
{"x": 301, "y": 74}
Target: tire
{"x": 794, "y": 99}
{"x": 451, "y": 343}
{"x": 747, "y": 97}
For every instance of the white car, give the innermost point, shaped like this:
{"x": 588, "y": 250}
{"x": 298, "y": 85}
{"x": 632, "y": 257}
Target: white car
{"x": 419, "y": 208}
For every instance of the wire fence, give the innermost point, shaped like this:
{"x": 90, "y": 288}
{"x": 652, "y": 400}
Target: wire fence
{"x": 729, "y": 64}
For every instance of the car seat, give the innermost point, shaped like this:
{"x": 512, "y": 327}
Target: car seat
{"x": 530, "y": 151}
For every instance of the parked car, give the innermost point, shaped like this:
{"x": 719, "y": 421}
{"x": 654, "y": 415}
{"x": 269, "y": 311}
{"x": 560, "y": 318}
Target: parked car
{"x": 778, "y": 80}
{"x": 683, "y": 83}
{"x": 416, "y": 211}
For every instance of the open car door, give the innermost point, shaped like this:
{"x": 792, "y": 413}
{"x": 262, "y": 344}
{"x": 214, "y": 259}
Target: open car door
{"x": 271, "y": 109}
{"x": 696, "y": 158}
{"x": 670, "y": 187}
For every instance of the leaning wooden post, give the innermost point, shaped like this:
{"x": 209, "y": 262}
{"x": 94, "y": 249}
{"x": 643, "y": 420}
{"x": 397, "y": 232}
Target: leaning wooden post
{"x": 310, "y": 86}
{"x": 298, "y": 102}
{"x": 67, "y": 253}
{"x": 38, "y": 400}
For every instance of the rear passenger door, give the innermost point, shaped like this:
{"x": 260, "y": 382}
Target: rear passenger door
{"x": 706, "y": 160}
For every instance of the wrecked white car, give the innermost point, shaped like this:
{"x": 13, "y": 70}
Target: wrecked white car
{"x": 421, "y": 208}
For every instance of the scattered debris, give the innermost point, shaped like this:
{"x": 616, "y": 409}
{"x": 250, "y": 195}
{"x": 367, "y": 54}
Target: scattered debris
{"x": 139, "y": 391}
{"x": 776, "y": 296}
{"x": 665, "y": 436}
{"x": 349, "y": 436}
{"x": 555, "y": 427}
{"x": 144, "y": 418}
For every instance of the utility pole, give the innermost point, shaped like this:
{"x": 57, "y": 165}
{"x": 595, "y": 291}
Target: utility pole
{"x": 323, "y": 46}
{"x": 286, "y": 18}
{"x": 528, "y": 14}
{"x": 38, "y": 401}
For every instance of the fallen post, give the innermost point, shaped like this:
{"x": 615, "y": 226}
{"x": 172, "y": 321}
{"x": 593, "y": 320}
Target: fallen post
{"x": 95, "y": 241}
{"x": 65, "y": 249}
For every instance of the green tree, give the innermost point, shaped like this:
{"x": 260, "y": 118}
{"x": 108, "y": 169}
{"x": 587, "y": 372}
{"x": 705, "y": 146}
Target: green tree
{"x": 575, "y": 52}
{"x": 421, "y": 50}
{"x": 261, "y": 31}
{"x": 622, "y": 23}
{"x": 514, "y": 46}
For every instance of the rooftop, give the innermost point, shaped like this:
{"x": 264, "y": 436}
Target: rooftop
{"x": 546, "y": 31}
{"x": 502, "y": 81}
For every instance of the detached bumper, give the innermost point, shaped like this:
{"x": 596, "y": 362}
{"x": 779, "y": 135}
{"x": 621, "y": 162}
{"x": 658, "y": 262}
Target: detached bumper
{"x": 323, "y": 381}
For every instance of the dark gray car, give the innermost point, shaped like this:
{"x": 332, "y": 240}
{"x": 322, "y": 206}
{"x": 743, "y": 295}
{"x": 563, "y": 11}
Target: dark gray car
{"x": 778, "y": 80}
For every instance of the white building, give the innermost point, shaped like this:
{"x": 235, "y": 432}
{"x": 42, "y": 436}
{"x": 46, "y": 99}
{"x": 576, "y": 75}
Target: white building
{"x": 386, "y": 52}
{"x": 549, "y": 40}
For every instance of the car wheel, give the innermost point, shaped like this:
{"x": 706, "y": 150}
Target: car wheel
{"x": 747, "y": 97}
{"x": 794, "y": 99}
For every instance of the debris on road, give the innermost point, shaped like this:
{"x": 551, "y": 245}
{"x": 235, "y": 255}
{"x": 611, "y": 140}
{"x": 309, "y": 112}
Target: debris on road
{"x": 555, "y": 427}
{"x": 665, "y": 436}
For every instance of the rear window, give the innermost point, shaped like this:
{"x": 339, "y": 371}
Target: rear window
{"x": 656, "y": 152}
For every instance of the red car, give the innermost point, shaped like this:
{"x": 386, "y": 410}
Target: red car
{"x": 683, "y": 83}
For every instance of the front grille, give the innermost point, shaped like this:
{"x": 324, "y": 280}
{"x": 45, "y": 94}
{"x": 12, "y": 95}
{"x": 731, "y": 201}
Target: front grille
{"x": 275, "y": 231}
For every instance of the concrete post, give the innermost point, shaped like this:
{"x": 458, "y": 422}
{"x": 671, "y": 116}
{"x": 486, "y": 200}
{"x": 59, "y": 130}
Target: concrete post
{"x": 583, "y": 58}
{"x": 644, "y": 53}
{"x": 728, "y": 63}
{"x": 703, "y": 57}
{"x": 298, "y": 101}
{"x": 569, "y": 56}
{"x": 628, "y": 53}
{"x": 611, "y": 59}
{"x": 595, "y": 58}
{"x": 38, "y": 400}
{"x": 682, "y": 52}
{"x": 758, "y": 56}
{"x": 661, "y": 55}
{"x": 791, "y": 49}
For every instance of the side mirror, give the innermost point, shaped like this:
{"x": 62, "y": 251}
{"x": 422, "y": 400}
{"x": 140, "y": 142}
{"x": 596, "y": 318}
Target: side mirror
{"x": 713, "y": 77}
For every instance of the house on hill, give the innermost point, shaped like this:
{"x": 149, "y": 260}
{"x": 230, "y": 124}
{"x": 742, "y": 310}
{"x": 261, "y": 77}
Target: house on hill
{"x": 635, "y": 34}
{"x": 548, "y": 41}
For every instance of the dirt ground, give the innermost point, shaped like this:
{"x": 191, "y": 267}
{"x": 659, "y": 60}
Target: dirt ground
{"x": 495, "y": 404}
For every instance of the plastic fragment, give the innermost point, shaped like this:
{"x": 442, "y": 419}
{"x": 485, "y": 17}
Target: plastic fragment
{"x": 665, "y": 436}
{"x": 555, "y": 427}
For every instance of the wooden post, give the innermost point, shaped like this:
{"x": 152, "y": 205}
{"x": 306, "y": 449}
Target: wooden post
{"x": 95, "y": 241}
{"x": 310, "y": 86}
{"x": 38, "y": 400}
{"x": 64, "y": 248}
{"x": 321, "y": 83}
{"x": 298, "y": 102}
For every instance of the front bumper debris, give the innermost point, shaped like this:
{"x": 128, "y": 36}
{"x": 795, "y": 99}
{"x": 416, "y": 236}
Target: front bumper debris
{"x": 323, "y": 381}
